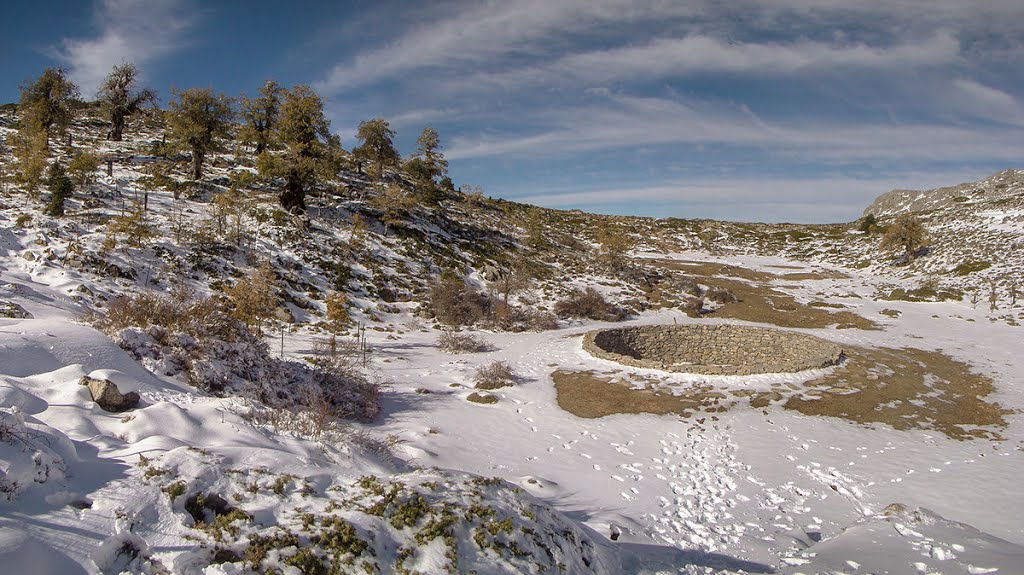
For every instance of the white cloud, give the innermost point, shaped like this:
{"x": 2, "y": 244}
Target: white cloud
{"x": 487, "y": 32}
{"x": 675, "y": 57}
{"x": 138, "y": 31}
{"x": 629, "y": 122}
{"x": 986, "y": 102}
{"x": 764, "y": 199}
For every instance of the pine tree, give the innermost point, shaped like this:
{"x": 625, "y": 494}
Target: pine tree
{"x": 429, "y": 146}
{"x": 311, "y": 152}
{"x": 61, "y": 188}
{"x": 260, "y": 116}
{"x": 338, "y": 317}
{"x": 378, "y": 145}
{"x": 83, "y": 167}
{"x": 120, "y": 100}
{"x": 31, "y": 154}
{"x": 196, "y": 119}
{"x": 46, "y": 103}
{"x": 255, "y": 297}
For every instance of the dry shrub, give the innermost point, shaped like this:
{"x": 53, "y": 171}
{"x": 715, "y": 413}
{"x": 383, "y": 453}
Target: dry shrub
{"x": 494, "y": 375}
{"x": 180, "y": 311}
{"x": 344, "y": 389}
{"x": 485, "y": 398}
{"x": 519, "y": 318}
{"x": 721, "y": 295}
{"x": 455, "y": 303}
{"x": 589, "y": 304}
{"x": 453, "y": 342}
{"x": 198, "y": 339}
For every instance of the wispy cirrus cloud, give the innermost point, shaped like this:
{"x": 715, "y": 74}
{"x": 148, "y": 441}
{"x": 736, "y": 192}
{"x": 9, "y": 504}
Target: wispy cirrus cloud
{"x": 624, "y": 122}
{"x": 795, "y": 200}
{"x": 138, "y": 31}
{"x": 536, "y": 90}
{"x": 485, "y": 33}
{"x": 692, "y": 54}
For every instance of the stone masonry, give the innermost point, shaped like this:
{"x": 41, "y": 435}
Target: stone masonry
{"x": 712, "y": 349}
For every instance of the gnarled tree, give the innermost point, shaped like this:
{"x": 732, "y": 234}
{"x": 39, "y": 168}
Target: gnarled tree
{"x": 907, "y": 233}
{"x": 120, "y": 98}
{"x": 378, "y": 146}
{"x": 46, "y": 103}
{"x": 260, "y": 115}
{"x": 311, "y": 151}
{"x": 196, "y": 119}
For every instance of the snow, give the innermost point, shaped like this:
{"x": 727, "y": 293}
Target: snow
{"x": 742, "y": 490}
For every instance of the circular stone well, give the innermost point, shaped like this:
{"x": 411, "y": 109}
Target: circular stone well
{"x": 712, "y": 349}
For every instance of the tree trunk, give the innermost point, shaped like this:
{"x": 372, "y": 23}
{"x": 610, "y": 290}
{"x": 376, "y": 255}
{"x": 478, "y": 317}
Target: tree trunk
{"x": 116, "y": 127}
{"x": 293, "y": 198}
{"x": 198, "y": 155}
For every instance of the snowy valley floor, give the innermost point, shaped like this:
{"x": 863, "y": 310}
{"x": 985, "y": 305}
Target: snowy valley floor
{"x": 749, "y": 489}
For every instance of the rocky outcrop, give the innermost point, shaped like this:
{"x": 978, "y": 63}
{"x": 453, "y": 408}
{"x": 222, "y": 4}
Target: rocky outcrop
{"x": 105, "y": 393}
{"x": 713, "y": 349}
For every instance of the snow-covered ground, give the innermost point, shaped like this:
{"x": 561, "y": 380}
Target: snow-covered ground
{"x": 754, "y": 490}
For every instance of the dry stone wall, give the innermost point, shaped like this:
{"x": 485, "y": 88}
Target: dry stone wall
{"x": 713, "y": 349}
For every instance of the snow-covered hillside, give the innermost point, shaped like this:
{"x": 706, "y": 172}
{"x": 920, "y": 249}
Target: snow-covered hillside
{"x": 904, "y": 459}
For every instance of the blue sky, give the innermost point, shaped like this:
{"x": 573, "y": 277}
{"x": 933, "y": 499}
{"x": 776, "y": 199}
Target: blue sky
{"x": 752, "y": 110}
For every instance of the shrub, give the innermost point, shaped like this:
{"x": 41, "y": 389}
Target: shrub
{"x": 453, "y": 342}
{"x": 589, "y": 304}
{"x": 721, "y": 295}
{"x": 83, "y": 167}
{"x": 455, "y": 303}
{"x": 867, "y": 224}
{"x": 179, "y": 311}
{"x": 197, "y": 338}
{"x": 518, "y": 319}
{"x": 494, "y": 375}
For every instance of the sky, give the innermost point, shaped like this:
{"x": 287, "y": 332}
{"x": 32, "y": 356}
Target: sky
{"x": 747, "y": 110}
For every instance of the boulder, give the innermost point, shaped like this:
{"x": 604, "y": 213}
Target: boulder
{"x": 105, "y": 393}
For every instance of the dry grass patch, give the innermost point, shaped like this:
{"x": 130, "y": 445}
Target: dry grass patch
{"x": 589, "y": 394}
{"x": 903, "y": 388}
{"x": 906, "y": 389}
{"x": 763, "y": 304}
{"x": 760, "y": 303}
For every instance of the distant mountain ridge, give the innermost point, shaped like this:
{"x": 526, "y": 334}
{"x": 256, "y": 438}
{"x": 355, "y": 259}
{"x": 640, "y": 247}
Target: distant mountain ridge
{"x": 999, "y": 187}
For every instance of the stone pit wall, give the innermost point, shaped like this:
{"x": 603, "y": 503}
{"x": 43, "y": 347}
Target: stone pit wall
{"x": 712, "y": 349}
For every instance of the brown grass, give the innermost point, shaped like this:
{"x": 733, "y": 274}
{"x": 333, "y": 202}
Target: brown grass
{"x": 903, "y": 388}
{"x": 760, "y": 303}
{"x": 906, "y": 389}
{"x": 590, "y": 395}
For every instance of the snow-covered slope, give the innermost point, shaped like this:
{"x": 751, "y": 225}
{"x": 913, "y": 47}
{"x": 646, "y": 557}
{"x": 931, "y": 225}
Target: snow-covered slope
{"x": 190, "y": 482}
